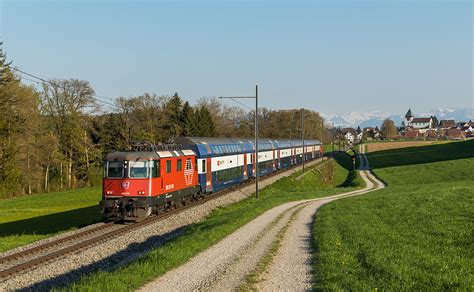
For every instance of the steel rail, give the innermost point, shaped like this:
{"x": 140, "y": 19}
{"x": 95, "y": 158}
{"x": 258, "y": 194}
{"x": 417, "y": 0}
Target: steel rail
{"x": 29, "y": 265}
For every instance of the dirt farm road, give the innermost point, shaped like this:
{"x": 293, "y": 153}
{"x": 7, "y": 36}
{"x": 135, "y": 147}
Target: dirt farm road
{"x": 226, "y": 265}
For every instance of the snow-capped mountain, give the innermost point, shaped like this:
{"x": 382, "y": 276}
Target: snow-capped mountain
{"x": 362, "y": 119}
{"x": 459, "y": 115}
{"x": 376, "y": 118}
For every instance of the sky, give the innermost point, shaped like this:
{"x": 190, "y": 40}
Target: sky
{"x": 328, "y": 56}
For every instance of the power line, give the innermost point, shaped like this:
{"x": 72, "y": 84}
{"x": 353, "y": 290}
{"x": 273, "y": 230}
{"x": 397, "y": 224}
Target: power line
{"x": 62, "y": 87}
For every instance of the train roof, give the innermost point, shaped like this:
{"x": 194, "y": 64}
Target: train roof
{"x": 146, "y": 155}
{"x": 208, "y": 146}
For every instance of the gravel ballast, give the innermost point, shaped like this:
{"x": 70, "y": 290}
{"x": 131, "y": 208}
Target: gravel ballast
{"x": 124, "y": 248}
{"x": 225, "y": 265}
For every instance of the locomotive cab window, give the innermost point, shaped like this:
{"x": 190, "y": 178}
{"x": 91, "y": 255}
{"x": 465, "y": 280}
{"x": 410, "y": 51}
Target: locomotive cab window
{"x": 168, "y": 166}
{"x": 179, "y": 165}
{"x": 138, "y": 169}
{"x": 114, "y": 169}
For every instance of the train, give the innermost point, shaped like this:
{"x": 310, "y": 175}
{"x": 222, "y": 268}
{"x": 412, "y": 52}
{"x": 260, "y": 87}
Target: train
{"x": 151, "y": 179}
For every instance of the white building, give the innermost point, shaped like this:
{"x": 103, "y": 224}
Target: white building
{"x": 421, "y": 124}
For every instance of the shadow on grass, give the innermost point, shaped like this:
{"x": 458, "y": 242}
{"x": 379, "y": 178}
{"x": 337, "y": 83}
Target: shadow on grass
{"x": 421, "y": 154}
{"x": 350, "y": 180}
{"x": 109, "y": 264}
{"x": 344, "y": 160}
{"x": 52, "y": 223}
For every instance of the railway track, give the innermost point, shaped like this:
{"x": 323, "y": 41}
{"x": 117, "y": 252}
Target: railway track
{"x": 28, "y": 259}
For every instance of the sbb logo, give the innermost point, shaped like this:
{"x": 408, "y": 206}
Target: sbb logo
{"x": 220, "y": 162}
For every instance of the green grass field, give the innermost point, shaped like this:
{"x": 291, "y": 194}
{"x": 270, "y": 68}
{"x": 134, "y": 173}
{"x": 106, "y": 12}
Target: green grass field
{"x": 219, "y": 224}
{"x": 417, "y": 234}
{"x": 28, "y": 219}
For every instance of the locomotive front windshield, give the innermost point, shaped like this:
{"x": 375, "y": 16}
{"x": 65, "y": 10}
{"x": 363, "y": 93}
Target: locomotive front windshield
{"x": 115, "y": 169}
{"x": 132, "y": 169}
{"x": 138, "y": 169}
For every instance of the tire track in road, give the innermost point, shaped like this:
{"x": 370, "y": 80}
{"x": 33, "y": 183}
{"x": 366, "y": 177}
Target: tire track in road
{"x": 225, "y": 265}
{"x": 291, "y": 268}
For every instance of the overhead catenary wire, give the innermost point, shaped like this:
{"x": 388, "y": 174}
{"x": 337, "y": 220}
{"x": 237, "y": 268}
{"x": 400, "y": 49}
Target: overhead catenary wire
{"x": 94, "y": 97}
{"x": 242, "y": 104}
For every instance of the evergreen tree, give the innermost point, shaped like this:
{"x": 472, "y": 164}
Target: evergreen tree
{"x": 208, "y": 127}
{"x": 185, "y": 120}
{"x": 6, "y": 74}
{"x": 173, "y": 117}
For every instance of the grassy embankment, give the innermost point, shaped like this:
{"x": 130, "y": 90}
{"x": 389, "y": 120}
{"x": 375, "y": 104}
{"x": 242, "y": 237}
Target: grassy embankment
{"x": 331, "y": 178}
{"x": 27, "y": 219}
{"x": 30, "y": 218}
{"x": 416, "y": 234}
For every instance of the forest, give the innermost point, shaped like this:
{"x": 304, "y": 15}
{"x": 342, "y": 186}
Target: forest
{"x": 54, "y": 132}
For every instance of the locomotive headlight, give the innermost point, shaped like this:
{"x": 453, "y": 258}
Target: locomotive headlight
{"x": 109, "y": 192}
{"x": 141, "y": 192}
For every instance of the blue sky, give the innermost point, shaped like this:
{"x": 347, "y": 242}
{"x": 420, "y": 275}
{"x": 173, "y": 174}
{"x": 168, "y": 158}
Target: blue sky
{"x": 330, "y": 56}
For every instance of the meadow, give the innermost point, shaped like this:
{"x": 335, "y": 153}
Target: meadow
{"x": 220, "y": 223}
{"x": 30, "y": 218}
{"x": 416, "y": 234}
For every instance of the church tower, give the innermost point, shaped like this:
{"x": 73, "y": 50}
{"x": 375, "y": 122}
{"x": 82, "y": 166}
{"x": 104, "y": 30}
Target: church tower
{"x": 408, "y": 118}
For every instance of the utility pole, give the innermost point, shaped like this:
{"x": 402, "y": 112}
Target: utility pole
{"x": 256, "y": 130}
{"x": 256, "y": 141}
{"x": 322, "y": 136}
{"x": 302, "y": 135}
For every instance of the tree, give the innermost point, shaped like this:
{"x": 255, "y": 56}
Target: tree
{"x": 64, "y": 104}
{"x": 435, "y": 121}
{"x": 389, "y": 131}
{"x": 185, "y": 119}
{"x": 173, "y": 122}
{"x": 6, "y": 74}
{"x": 20, "y": 124}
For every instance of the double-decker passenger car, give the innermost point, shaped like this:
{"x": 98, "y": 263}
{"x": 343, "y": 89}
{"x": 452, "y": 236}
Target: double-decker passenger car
{"x": 139, "y": 183}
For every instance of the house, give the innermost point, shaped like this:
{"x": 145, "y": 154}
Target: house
{"x": 412, "y": 134}
{"x": 431, "y": 134}
{"x": 467, "y": 129}
{"x": 446, "y": 124}
{"x": 371, "y": 133}
{"x": 455, "y": 134}
{"x": 422, "y": 124}
{"x": 464, "y": 124}
{"x": 350, "y": 134}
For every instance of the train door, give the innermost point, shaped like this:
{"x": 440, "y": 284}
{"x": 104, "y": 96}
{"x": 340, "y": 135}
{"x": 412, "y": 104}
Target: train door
{"x": 253, "y": 164}
{"x": 279, "y": 158}
{"x": 157, "y": 184}
{"x": 208, "y": 175}
{"x": 274, "y": 160}
{"x": 245, "y": 166}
